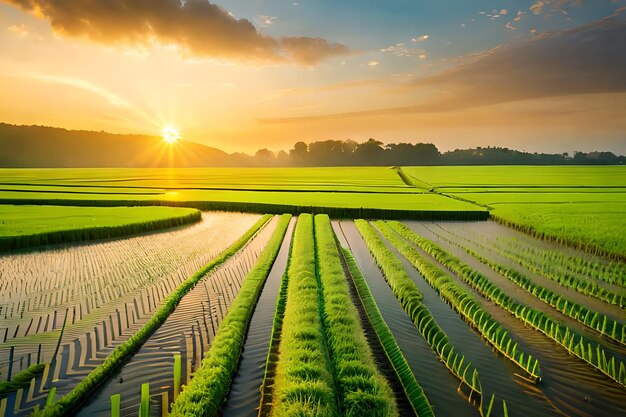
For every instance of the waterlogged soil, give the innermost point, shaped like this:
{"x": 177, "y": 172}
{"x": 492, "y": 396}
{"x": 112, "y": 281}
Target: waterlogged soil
{"x": 109, "y": 290}
{"x": 484, "y": 242}
{"x": 188, "y": 331}
{"x": 496, "y": 373}
{"x": 245, "y": 393}
{"x": 569, "y": 385}
{"x": 439, "y": 385}
{"x": 518, "y": 294}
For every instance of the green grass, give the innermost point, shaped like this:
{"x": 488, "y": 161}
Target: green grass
{"x": 410, "y": 298}
{"x": 21, "y": 379}
{"x": 590, "y": 352}
{"x": 412, "y": 389}
{"x": 209, "y": 387}
{"x": 122, "y": 352}
{"x": 25, "y": 226}
{"x": 303, "y": 384}
{"x": 361, "y": 389}
{"x": 294, "y": 190}
{"x": 581, "y": 206}
{"x": 463, "y": 302}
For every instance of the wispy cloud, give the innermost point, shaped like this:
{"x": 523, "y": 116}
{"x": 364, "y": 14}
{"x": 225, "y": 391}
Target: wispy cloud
{"x": 198, "y": 27}
{"x": 590, "y": 59}
{"x": 107, "y": 95}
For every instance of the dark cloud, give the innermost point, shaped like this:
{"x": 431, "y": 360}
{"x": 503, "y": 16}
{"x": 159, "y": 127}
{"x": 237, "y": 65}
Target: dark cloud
{"x": 199, "y": 27}
{"x": 587, "y": 59}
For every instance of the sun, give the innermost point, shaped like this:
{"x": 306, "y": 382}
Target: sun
{"x": 170, "y": 134}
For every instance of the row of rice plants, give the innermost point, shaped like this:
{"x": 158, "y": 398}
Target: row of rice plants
{"x": 612, "y": 272}
{"x": 414, "y": 392}
{"x": 410, "y": 298}
{"x": 464, "y": 303}
{"x": 361, "y": 389}
{"x": 273, "y": 351}
{"x": 592, "y": 319}
{"x": 87, "y": 278}
{"x": 591, "y": 353}
{"x": 571, "y": 241}
{"x": 210, "y": 385}
{"x": 70, "y": 402}
{"x": 583, "y": 285}
{"x": 253, "y": 207}
{"x": 97, "y": 232}
{"x": 303, "y": 384}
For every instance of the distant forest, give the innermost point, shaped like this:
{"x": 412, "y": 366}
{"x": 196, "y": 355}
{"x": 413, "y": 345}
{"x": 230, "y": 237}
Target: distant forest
{"x": 48, "y": 147}
{"x": 374, "y": 152}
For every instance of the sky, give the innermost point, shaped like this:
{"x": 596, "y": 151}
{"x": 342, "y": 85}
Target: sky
{"x": 537, "y": 75}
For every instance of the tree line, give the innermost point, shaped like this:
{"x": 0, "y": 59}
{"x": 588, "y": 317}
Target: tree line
{"x": 374, "y": 152}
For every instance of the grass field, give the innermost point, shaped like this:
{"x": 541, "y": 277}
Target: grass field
{"x": 584, "y": 206}
{"x": 407, "y": 318}
{"x": 23, "y": 226}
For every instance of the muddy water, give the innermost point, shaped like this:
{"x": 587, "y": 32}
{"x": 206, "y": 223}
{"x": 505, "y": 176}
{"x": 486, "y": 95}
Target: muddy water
{"x": 496, "y": 373}
{"x": 490, "y": 237}
{"x": 570, "y": 385}
{"x": 521, "y": 295}
{"x": 245, "y": 393}
{"x": 438, "y": 384}
{"x": 189, "y": 331}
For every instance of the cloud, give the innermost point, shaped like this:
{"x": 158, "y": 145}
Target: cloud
{"x": 373, "y": 64}
{"x": 198, "y": 27}
{"x": 589, "y": 59}
{"x": 537, "y": 7}
{"x": 112, "y": 98}
{"x": 20, "y": 30}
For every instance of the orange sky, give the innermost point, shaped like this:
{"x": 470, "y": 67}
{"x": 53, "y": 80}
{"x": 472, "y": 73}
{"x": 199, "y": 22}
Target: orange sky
{"x": 545, "y": 84}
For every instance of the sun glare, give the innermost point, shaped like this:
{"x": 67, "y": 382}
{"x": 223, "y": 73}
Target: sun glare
{"x": 170, "y": 134}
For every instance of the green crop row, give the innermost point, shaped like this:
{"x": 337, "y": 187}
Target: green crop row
{"x": 21, "y": 379}
{"x": 596, "y": 247}
{"x": 208, "y": 389}
{"x": 584, "y": 286}
{"x": 593, "y": 319}
{"x": 612, "y": 272}
{"x": 70, "y": 402}
{"x": 81, "y": 234}
{"x": 361, "y": 389}
{"x": 410, "y": 298}
{"x": 277, "y": 208}
{"x": 303, "y": 384}
{"x": 272, "y": 352}
{"x": 464, "y": 303}
{"x": 412, "y": 389}
{"x": 575, "y": 344}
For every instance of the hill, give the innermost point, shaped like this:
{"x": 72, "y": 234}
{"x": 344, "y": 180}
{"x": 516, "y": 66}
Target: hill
{"x": 49, "y": 147}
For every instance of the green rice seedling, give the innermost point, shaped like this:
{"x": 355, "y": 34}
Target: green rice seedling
{"x": 573, "y": 343}
{"x": 592, "y": 319}
{"x": 410, "y": 298}
{"x": 413, "y": 391}
{"x": 115, "y": 405}
{"x": 177, "y": 373}
{"x": 144, "y": 405}
{"x": 122, "y": 352}
{"x": 208, "y": 389}
{"x": 272, "y": 353}
{"x": 304, "y": 384}
{"x": 463, "y": 303}
{"x": 583, "y": 285}
{"x": 29, "y": 226}
{"x": 362, "y": 390}
{"x": 21, "y": 379}
{"x": 51, "y": 395}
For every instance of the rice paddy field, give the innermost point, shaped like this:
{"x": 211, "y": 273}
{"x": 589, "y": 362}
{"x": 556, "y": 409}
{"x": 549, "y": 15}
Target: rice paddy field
{"x": 463, "y": 291}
